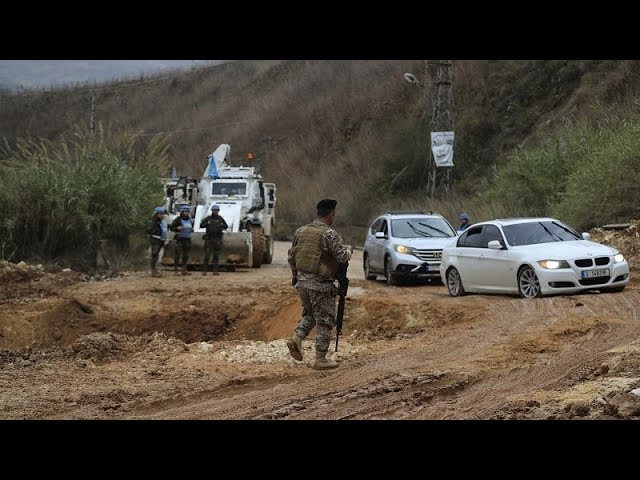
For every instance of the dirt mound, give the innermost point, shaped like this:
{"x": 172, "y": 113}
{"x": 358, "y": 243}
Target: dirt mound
{"x": 11, "y": 273}
{"x": 19, "y": 272}
{"x": 16, "y": 279}
{"x": 99, "y": 346}
{"x": 627, "y": 241}
{"x": 156, "y": 342}
{"x": 22, "y": 283}
{"x": 108, "y": 346}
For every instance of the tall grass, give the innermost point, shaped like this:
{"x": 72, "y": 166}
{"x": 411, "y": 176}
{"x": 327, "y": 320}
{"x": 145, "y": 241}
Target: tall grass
{"x": 59, "y": 198}
{"x": 603, "y": 185}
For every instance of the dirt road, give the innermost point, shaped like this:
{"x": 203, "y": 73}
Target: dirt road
{"x": 214, "y": 348}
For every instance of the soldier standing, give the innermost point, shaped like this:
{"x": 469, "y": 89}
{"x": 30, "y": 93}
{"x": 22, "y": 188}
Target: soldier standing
{"x": 157, "y": 231}
{"x": 183, "y": 226}
{"x": 214, "y": 224}
{"x": 314, "y": 256}
{"x": 464, "y": 219}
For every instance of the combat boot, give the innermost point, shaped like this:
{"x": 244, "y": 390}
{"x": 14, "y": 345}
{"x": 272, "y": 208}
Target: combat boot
{"x": 322, "y": 362}
{"x": 184, "y": 270}
{"x": 154, "y": 270}
{"x": 295, "y": 346}
{"x": 215, "y": 270}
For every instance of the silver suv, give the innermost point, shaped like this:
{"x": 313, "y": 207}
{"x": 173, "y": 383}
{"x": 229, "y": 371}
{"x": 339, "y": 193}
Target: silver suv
{"x": 406, "y": 244}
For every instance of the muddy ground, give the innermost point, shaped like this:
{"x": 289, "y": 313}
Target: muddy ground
{"x": 131, "y": 346}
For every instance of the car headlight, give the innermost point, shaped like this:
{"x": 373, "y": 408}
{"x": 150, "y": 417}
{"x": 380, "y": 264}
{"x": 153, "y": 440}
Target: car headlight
{"x": 553, "y": 264}
{"x": 619, "y": 258}
{"x": 403, "y": 249}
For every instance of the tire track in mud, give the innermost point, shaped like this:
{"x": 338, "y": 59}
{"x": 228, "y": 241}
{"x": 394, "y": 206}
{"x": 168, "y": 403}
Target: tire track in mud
{"x": 467, "y": 370}
{"x": 573, "y": 359}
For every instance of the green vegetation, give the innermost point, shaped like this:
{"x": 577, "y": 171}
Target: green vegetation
{"x": 587, "y": 174}
{"x": 59, "y": 198}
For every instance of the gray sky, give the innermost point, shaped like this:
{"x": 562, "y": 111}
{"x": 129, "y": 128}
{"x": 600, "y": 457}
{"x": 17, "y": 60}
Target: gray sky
{"x": 48, "y": 73}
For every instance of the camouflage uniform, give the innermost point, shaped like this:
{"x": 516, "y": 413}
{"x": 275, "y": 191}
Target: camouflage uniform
{"x": 316, "y": 291}
{"x": 213, "y": 239}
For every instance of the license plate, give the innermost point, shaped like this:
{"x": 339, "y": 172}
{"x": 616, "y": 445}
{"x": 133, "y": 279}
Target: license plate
{"x": 600, "y": 272}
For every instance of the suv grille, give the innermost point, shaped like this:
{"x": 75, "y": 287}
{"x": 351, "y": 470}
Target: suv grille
{"x": 428, "y": 255}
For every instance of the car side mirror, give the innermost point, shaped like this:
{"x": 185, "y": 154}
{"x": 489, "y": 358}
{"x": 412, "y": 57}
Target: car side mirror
{"x": 586, "y": 236}
{"x": 380, "y": 235}
{"x": 495, "y": 245}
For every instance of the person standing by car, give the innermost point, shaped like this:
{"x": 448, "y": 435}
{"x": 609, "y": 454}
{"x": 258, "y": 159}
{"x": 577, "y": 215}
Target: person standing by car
{"x": 464, "y": 219}
{"x": 183, "y": 226}
{"x": 157, "y": 231}
{"x": 214, "y": 224}
{"x": 314, "y": 256}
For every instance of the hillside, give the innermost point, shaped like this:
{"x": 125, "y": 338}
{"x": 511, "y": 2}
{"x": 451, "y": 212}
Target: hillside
{"x": 344, "y": 129}
{"x": 79, "y": 341}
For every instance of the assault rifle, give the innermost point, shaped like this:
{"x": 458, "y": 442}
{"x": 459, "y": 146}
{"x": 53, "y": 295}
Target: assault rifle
{"x": 343, "y": 286}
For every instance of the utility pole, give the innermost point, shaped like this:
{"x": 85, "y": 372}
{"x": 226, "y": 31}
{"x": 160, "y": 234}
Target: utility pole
{"x": 93, "y": 113}
{"x": 442, "y": 120}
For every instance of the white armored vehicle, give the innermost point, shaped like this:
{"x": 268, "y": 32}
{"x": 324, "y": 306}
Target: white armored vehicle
{"x": 246, "y": 203}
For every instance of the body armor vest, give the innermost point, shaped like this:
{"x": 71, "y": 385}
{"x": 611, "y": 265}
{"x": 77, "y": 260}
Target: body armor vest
{"x": 309, "y": 256}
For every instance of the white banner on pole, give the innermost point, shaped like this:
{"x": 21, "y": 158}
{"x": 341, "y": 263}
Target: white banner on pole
{"x": 442, "y": 148}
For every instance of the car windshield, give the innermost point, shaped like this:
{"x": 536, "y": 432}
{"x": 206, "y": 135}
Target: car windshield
{"x": 228, "y": 188}
{"x": 421, "y": 227}
{"x": 531, "y": 233}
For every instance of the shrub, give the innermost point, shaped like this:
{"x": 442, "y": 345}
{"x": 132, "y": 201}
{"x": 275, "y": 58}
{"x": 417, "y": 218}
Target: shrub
{"x": 586, "y": 175}
{"x": 59, "y": 199}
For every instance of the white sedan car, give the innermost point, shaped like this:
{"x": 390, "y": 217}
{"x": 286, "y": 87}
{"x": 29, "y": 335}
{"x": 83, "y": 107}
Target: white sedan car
{"x": 531, "y": 257}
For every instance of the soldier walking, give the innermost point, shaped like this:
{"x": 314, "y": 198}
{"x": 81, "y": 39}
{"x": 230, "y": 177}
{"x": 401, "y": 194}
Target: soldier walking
{"x": 314, "y": 256}
{"x": 214, "y": 225}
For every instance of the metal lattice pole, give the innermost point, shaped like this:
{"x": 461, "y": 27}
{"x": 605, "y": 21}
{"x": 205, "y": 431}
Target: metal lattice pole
{"x": 441, "y": 120}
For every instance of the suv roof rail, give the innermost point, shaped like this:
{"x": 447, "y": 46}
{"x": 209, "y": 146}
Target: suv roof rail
{"x": 408, "y": 212}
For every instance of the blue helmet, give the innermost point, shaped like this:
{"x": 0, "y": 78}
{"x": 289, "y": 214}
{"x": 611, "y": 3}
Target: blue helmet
{"x": 160, "y": 210}
{"x": 185, "y": 208}
{"x": 215, "y": 208}
{"x": 464, "y": 216}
